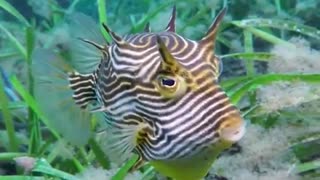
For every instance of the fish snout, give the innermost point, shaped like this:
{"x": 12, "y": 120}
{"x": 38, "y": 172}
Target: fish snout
{"x": 232, "y": 129}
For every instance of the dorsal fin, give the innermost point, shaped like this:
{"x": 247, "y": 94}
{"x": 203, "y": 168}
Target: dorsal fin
{"x": 211, "y": 34}
{"x": 147, "y": 28}
{"x": 171, "y": 27}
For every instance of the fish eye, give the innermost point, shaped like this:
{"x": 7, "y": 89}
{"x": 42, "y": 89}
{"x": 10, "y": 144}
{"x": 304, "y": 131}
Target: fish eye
{"x": 168, "y": 82}
{"x": 170, "y": 86}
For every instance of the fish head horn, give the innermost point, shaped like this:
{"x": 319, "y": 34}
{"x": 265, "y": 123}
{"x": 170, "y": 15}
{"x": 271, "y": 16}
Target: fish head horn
{"x": 147, "y": 27}
{"x": 168, "y": 60}
{"x": 171, "y": 66}
{"x": 171, "y": 27}
{"x": 211, "y": 34}
{"x": 116, "y": 38}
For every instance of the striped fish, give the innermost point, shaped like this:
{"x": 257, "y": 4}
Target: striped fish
{"x": 161, "y": 99}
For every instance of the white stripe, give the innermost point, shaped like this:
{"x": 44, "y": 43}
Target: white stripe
{"x": 81, "y": 82}
{"x": 202, "y": 140}
{"x": 115, "y": 92}
{"x": 82, "y": 94}
{"x": 128, "y": 52}
{"x": 150, "y": 105}
{"x": 184, "y": 147}
{"x": 85, "y": 88}
{"x": 183, "y": 124}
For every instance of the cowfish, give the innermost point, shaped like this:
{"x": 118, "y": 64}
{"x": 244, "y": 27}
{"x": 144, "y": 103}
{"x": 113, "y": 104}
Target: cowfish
{"x": 160, "y": 98}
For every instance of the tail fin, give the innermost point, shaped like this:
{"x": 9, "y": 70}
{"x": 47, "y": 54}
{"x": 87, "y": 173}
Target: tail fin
{"x": 59, "y": 88}
{"x": 55, "y": 97}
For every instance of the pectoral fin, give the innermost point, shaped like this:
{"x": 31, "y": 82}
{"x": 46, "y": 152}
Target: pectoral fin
{"x": 122, "y": 139}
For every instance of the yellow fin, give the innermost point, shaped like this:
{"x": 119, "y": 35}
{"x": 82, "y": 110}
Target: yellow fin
{"x": 122, "y": 139}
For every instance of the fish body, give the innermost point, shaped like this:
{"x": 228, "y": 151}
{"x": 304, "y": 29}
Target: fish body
{"x": 161, "y": 99}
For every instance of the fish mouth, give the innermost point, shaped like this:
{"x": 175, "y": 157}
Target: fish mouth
{"x": 233, "y": 129}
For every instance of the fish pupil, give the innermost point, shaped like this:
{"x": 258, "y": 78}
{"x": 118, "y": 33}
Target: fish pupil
{"x": 168, "y": 82}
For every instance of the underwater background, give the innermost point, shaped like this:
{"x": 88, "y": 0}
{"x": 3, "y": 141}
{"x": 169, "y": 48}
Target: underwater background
{"x": 270, "y": 53}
